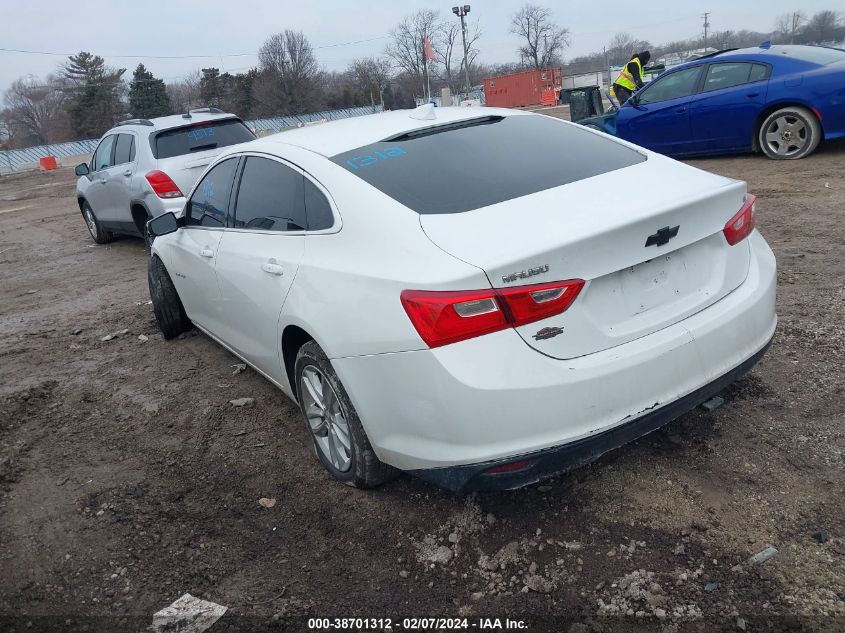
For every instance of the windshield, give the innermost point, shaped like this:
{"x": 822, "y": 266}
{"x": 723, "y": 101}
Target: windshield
{"x": 199, "y": 137}
{"x": 475, "y": 163}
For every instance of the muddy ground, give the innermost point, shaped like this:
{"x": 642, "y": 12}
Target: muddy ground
{"x": 127, "y": 478}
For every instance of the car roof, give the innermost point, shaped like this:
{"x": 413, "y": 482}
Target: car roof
{"x": 335, "y": 137}
{"x": 761, "y": 53}
{"x": 170, "y": 122}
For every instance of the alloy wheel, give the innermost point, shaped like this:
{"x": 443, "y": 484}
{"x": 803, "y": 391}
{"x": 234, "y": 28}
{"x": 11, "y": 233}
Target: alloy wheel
{"x": 325, "y": 418}
{"x": 90, "y": 221}
{"x": 787, "y": 135}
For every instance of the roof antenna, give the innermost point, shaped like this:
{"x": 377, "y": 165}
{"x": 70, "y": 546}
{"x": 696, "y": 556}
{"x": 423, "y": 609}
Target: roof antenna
{"x": 425, "y": 112}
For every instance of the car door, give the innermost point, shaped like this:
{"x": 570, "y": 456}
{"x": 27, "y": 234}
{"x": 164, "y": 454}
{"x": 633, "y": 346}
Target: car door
{"x": 723, "y": 114}
{"x": 657, "y": 117}
{"x": 259, "y": 257}
{"x": 97, "y": 194}
{"x": 118, "y": 179}
{"x": 195, "y": 246}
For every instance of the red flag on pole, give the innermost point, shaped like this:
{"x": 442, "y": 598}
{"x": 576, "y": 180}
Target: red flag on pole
{"x": 428, "y": 49}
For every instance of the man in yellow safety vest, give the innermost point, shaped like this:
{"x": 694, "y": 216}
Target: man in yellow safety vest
{"x": 631, "y": 78}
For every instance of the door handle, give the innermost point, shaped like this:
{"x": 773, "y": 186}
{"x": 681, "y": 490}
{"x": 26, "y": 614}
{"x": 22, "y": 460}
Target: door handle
{"x": 680, "y": 110}
{"x": 103, "y": 181}
{"x": 751, "y": 95}
{"x": 206, "y": 252}
{"x": 273, "y": 268}
{"x": 127, "y": 172}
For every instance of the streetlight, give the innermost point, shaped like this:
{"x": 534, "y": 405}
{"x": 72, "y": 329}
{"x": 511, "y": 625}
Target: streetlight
{"x": 462, "y": 12}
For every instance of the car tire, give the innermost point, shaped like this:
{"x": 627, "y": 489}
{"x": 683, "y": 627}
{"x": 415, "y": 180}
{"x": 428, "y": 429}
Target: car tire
{"x": 98, "y": 234}
{"x": 339, "y": 439}
{"x": 167, "y": 305}
{"x": 789, "y": 134}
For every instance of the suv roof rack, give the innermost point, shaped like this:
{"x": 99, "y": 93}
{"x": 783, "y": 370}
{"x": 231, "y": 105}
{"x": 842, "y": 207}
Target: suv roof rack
{"x": 210, "y": 110}
{"x": 137, "y": 122}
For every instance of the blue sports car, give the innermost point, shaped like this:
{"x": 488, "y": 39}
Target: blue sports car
{"x": 781, "y": 100}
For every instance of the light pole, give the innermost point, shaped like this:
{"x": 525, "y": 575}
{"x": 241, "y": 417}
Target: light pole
{"x": 462, "y": 12}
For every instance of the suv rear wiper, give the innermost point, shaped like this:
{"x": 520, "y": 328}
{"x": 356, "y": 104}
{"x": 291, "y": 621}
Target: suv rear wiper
{"x": 202, "y": 147}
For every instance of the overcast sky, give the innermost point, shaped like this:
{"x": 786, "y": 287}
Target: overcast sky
{"x": 229, "y": 32}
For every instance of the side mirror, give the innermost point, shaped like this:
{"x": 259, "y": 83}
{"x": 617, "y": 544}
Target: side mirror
{"x": 82, "y": 169}
{"x": 162, "y": 225}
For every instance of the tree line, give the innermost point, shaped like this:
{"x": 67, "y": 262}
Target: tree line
{"x": 84, "y": 96}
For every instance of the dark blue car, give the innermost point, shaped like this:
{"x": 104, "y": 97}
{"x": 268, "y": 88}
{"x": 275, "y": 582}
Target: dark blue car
{"x": 781, "y": 100}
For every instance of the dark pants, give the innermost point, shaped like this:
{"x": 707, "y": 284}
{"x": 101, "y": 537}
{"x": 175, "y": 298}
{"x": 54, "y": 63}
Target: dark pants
{"x": 622, "y": 93}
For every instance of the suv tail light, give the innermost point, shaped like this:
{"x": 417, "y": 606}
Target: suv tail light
{"x": 163, "y": 185}
{"x": 740, "y": 226}
{"x": 447, "y": 317}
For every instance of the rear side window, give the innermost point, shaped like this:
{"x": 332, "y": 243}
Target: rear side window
{"x": 270, "y": 197}
{"x": 200, "y": 137}
{"x": 814, "y": 54}
{"x": 317, "y": 208}
{"x": 123, "y": 151}
{"x": 728, "y": 75}
{"x": 476, "y": 163}
{"x": 210, "y": 202}
{"x": 102, "y": 157}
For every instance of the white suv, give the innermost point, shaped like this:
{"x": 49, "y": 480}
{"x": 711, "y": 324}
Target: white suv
{"x": 143, "y": 167}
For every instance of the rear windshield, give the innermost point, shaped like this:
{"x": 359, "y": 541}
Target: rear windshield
{"x": 476, "y": 163}
{"x": 199, "y": 137}
{"x": 816, "y": 54}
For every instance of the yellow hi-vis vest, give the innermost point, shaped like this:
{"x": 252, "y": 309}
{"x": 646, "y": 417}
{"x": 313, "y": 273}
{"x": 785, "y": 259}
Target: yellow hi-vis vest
{"x": 626, "y": 79}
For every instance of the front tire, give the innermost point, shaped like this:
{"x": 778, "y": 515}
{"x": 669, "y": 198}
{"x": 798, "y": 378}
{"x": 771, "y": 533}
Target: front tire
{"x": 167, "y": 305}
{"x": 789, "y": 134}
{"x": 339, "y": 439}
{"x": 98, "y": 234}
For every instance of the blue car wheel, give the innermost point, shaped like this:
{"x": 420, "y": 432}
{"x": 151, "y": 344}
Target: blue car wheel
{"x": 789, "y": 133}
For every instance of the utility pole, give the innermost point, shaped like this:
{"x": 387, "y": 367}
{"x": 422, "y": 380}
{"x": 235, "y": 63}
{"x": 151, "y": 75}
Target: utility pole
{"x": 706, "y": 29}
{"x": 462, "y": 12}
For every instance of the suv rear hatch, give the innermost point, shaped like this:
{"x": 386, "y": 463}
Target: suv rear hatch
{"x": 529, "y": 200}
{"x": 184, "y": 152}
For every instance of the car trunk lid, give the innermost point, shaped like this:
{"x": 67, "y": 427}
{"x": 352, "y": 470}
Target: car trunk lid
{"x": 597, "y": 229}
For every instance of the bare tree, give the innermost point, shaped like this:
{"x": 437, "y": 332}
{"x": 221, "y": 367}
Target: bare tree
{"x": 35, "y": 107}
{"x": 823, "y": 28}
{"x": 372, "y": 75}
{"x": 287, "y": 60}
{"x": 450, "y": 44}
{"x": 545, "y": 41}
{"x": 406, "y": 47}
{"x": 787, "y": 25}
{"x": 185, "y": 93}
{"x": 622, "y": 45}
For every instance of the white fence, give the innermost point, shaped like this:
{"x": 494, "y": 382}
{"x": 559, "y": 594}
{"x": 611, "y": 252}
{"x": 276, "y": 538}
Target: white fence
{"x": 21, "y": 159}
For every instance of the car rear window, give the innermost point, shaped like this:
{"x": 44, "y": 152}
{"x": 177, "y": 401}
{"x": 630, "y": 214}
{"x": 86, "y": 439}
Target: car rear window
{"x": 199, "y": 137}
{"x": 816, "y": 54}
{"x": 475, "y": 163}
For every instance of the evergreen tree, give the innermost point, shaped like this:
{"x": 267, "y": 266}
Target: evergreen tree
{"x": 148, "y": 95}
{"x": 93, "y": 94}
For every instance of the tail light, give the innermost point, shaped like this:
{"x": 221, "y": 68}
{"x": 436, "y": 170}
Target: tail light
{"x": 447, "y": 317}
{"x": 163, "y": 185}
{"x": 510, "y": 467}
{"x": 740, "y": 226}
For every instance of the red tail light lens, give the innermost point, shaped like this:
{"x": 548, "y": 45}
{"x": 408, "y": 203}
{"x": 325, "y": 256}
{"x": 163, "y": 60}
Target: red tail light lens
{"x": 163, "y": 185}
{"x": 740, "y": 226}
{"x": 442, "y": 318}
{"x": 510, "y": 467}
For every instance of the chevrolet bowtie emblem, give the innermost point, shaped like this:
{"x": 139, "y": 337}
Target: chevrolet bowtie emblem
{"x": 662, "y": 236}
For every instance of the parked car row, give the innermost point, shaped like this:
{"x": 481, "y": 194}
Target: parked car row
{"x": 780, "y": 100}
{"x": 449, "y": 292}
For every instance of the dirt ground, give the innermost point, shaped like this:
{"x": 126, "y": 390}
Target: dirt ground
{"x": 127, "y": 478}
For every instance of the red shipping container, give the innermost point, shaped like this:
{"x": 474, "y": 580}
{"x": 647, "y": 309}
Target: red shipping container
{"x": 522, "y": 89}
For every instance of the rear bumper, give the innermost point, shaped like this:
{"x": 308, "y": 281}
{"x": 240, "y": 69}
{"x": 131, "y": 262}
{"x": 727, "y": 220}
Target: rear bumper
{"x": 553, "y": 461}
{"x": 465, "y": 406}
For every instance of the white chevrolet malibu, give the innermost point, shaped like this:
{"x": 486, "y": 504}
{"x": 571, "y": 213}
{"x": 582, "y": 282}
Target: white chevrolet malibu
{"x": 480, "y": 297}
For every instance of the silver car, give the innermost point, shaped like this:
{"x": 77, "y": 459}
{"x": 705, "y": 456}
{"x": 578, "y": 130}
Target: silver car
{"x": 145, "y": 167}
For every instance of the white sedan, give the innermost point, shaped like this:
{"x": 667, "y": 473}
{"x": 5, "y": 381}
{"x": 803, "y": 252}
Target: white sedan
{"x": 480, "y": 297}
